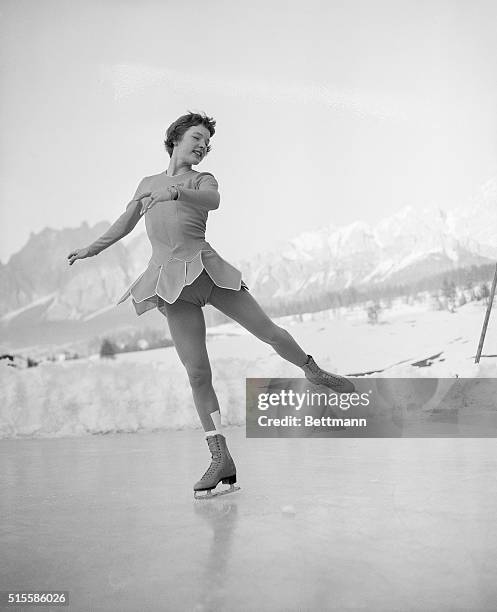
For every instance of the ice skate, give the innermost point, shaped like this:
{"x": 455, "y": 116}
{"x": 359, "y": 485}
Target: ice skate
{"x": 317, "y": 376}
{"x": 222, "y": 469}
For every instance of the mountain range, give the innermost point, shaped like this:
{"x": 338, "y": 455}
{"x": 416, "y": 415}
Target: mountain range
{"x": 41, "y": 295}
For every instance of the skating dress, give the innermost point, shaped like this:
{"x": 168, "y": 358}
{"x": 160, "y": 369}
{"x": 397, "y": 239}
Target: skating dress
{"x": 176, "y": 230}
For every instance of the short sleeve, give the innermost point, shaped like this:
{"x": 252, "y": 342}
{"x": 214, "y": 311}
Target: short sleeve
{"x": 206, "y": 180}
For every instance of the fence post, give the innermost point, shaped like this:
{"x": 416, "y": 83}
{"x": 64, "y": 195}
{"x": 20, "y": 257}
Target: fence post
{"x": 487, "y": 317}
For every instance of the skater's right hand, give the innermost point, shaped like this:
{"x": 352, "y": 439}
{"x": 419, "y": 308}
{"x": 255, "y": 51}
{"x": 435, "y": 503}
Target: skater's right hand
{"x": 78, "y": 254}
{"x": 144, "y": 200}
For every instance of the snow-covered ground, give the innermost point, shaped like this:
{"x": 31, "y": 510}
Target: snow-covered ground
{"x": 149, "y": 390}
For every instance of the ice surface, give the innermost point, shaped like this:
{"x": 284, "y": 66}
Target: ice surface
{"x": 318, "y": 525}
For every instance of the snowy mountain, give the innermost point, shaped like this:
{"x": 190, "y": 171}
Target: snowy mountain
{"x": 40, "y": 270}
{"x": 39, "y": 287}
{"x": 406, "y": 247}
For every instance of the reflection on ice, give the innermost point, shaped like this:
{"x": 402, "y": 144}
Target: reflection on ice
{"x": 221, "y": 518}
{"x": 319, "y": 524}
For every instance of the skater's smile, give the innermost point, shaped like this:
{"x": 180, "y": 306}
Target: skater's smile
{"x": 195, "y": 143}
{"x": 190, "y": 149}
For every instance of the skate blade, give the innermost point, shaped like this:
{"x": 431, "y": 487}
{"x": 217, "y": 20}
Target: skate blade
{"x": 210, "y": 495}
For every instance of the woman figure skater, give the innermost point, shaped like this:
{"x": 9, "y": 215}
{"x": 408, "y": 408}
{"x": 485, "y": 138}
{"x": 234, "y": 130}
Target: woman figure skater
{"x": 185, "y": 273}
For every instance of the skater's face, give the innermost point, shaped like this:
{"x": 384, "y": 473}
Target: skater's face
{"x": 193, "y": 146}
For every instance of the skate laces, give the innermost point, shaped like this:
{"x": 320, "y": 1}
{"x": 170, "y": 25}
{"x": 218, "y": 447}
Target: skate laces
{"x": 216, "y": 454}
{"x": 213, "y": 466}
{"x": 332, "y": 378}
{"x": 317, "y": 371}
{"x": 214, "y": 446}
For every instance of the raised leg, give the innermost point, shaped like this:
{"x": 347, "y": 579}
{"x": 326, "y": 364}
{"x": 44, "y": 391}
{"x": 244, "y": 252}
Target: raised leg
{"x": 243, "y": 308}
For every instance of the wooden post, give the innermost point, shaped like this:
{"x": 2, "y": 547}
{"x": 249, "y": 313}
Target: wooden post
{"x": 487, "y": 317}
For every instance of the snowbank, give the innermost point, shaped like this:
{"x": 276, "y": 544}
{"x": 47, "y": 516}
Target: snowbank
{"x": 150, "y": 390}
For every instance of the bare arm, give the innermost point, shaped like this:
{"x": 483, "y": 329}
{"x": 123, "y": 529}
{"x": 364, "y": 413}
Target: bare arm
{"x": 120, "y": 228}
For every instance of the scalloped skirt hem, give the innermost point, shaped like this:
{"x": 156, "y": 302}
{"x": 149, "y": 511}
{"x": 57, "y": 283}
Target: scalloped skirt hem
{"x": 158, "y": 286}
{"x": 187, "y": 295}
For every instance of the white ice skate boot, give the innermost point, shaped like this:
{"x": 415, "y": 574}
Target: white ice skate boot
{"x": 317, "y": 376}
{"x": 222, "y": 469}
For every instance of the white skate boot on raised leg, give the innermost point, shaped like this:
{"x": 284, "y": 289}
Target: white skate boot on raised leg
{"x": 222, "y": 469}
{"x": 318, "y": 376}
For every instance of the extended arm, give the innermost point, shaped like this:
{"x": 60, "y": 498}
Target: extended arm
{"x": 122, "y": 227}
{"x": 117, "y": 230}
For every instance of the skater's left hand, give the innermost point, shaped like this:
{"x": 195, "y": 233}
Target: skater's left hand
{"x": 78, "y": 254}
{"x": 161, "y": 195}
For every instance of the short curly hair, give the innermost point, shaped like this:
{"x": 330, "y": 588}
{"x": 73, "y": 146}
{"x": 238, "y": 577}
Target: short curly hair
{"x": 176, "y": 130}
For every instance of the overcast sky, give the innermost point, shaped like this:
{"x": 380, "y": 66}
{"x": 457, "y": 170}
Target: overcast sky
{"x": 327, "y": 112}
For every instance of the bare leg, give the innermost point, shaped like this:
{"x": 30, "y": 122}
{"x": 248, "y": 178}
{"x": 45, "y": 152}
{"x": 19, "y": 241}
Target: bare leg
{"x": 242, "y": 307}
{"x": 187, "y": 327}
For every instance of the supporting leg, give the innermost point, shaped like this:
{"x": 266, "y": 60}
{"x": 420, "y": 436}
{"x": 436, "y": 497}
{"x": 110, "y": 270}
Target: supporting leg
{"x": 187, "y": 327}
